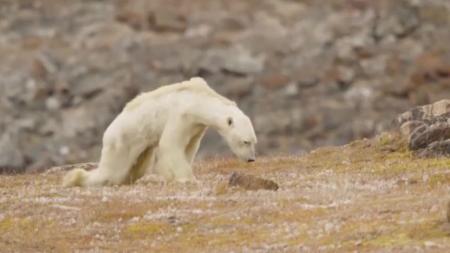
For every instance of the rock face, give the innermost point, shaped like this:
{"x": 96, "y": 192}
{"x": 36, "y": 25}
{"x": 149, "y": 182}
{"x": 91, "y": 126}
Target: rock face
{"x": 427, "y": 128}
{"x": 308, "y": 73}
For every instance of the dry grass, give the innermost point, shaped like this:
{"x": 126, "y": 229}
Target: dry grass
{"x": 370, "y": 195}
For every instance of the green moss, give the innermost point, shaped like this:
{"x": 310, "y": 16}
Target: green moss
{"x": 439, "y": 179}
{"x": 390, "y": 240}
{"x": 412, "y": 234}
{"x": 24, "y": 224}
{"x": 148, "y": 229}
{"x": 6, "y": 224}
{"x": 428, "y": 231}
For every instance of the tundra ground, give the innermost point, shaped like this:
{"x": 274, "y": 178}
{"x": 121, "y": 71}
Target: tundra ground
{"x": 370, "y": 196}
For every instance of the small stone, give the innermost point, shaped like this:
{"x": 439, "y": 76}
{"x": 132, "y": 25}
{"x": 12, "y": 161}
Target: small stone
{"x": 238, "y": 60}
{"x": 291, "y": 90}
{"x": 201, "y": 31}
{"x": 250, "y": 182}
{"x": 135, "y": 19}
{"x": 52, "y": 104}
{"x": 165, "y": 21}
{"x": 64, "y": 150}
{"x": 239, "y": 87}
{"x": 11, "y": 157}
{"x": 274, "y": 80}
{"x": 244, "y": 63}
{"x": 430, "y": 244}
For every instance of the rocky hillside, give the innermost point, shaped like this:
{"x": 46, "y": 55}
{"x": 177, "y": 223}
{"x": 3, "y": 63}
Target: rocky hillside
{"x": 367, "y": 196}
{"x": 308, "y": 72}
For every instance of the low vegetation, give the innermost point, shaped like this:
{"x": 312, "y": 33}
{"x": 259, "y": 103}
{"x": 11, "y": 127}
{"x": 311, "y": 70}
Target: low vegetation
{"x": 369, "y": 195}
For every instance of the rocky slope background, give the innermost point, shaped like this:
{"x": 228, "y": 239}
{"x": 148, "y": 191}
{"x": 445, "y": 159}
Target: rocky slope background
{"x": 309, "y": 73}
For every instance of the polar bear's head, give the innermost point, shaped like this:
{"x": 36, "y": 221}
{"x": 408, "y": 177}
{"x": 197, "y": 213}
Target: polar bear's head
{"x": 237, "y": 130}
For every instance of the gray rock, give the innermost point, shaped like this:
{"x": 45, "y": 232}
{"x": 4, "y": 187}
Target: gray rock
{"x": 11, "y": 155}
{"x": 427, "y": 128}
{"x": 234, "y": 60}
{"x": 437, "y": 148}
{"x": 164, "y": 21}
{"x": 424, "y": 136}
{"x": 427, "y": 112}
{"x": 399, "y": 20}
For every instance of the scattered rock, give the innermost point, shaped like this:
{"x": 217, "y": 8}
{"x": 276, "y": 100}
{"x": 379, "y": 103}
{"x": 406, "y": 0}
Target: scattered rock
{"x": 11, "y": 157}
{"x": 52, "y": 104}
{"x": 233, "y": 60}
{"x": 252, "y": 183}
{"x": 238, "y": 87}
{"x": 85, "y": 166}
{"x": 399, "y": 20}
{"x": 165, "y": 21}
{"x": 274, "y": 80}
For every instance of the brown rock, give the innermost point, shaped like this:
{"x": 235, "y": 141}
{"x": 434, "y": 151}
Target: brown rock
{"x": 135, "y": 19}
{"x": 166, "y": 21}
{"x": 238, "y": 87}
{"x": 251, "y": 183}
{"x": 133, "y": 13}
{"x": 274, "y": 80}
{"x": 431, "y": 68}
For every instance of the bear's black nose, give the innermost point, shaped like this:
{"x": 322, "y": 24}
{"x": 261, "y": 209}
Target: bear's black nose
{"x": 250, "y": 160}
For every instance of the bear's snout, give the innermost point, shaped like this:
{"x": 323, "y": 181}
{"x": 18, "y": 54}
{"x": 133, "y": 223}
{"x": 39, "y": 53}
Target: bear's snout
{"x": 250, "y": 160}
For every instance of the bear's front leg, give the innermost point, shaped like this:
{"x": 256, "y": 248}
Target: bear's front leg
{"x": 171, "y": 160}
{"x": 172, "y": 165}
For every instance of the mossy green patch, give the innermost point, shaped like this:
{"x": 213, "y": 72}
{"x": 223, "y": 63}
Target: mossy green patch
{"x": 6, "y": 224}
{"x": 410, "y": 234}
{"x": 148, "y": 229}
{"x": 13, "y": 224}
{"x": 439, "y": 179}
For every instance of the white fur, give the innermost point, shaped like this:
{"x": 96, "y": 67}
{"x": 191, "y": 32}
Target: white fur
{"x": 161, "y": 131}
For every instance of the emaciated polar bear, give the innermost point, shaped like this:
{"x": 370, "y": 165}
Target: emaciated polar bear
{"x": 161, "y": 131}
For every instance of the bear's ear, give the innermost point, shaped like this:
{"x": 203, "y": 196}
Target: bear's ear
{"x": 230, "y": 121}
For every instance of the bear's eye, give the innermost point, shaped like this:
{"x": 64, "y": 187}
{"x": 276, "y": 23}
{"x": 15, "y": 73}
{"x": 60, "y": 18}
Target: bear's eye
{"x": 230, "y": 121}
{"x": 246, "y": 142}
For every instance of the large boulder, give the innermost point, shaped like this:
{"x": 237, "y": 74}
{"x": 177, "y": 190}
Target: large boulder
{"x": 427, "y": 128}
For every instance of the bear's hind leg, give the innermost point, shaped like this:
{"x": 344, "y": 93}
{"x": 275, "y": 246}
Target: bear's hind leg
{"x": 142, "y": 165}
{"x": 115, "y": 165}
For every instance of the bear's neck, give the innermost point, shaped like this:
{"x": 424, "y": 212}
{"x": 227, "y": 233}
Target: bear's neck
{"x": 211, "y": 112}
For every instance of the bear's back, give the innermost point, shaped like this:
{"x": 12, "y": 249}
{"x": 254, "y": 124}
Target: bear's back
{"x": 196, "y": 84}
